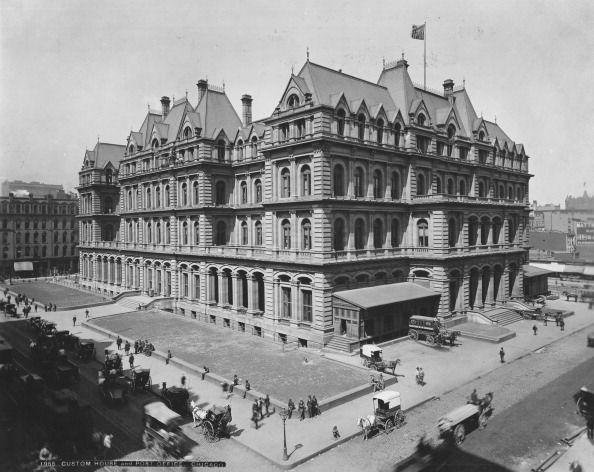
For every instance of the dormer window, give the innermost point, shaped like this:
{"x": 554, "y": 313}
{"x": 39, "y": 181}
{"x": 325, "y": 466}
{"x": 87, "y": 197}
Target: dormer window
{"x": 361, "y": 126}
{"x": 187, "y": 132}
{"x": 221, "y": 150}
{"x": 380, "y": 131}
{"x": 155, "y": 144}
{"x": 397, "y": 131}
{"x": 451, "y": 132}
{"x": 131, "y": 149}
{"x": 293, "y": 101}
{"x": 240, "y": 150}
{"x": 421, "y": 119}
{"x": 340, "y": 120}
{"x": 481, "y": 135}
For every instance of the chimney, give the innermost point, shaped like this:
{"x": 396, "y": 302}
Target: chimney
{"x": 448, "y": 87}
{"x": 402, "y": 63}
{"x": 246, "y": 100}
{"x": 165, "y": 106}
{"x": 202, "y": 87}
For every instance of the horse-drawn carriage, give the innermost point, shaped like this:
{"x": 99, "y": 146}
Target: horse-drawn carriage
{"x": 387, "y": 413}
{"x": 176, "y": 398}
{"x": 431, "y": 330}
{"x": 371, "y": 356}
{"x": 140, "y": 379}
{"x": 113, "y": 362}
{"x": 10, "y": 309}
{"x": 162, "y": 432}
{"x": 113, "y": 387}
{"x": 466, "y": 418}
{"x": 66, "y": 340}
{"x": 584, "y": 401}
{"x": 85, "y": 350}
{"x": 213, "y": 421}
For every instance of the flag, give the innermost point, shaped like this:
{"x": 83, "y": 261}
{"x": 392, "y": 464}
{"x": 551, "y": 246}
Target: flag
{"x": 418, "y": 32}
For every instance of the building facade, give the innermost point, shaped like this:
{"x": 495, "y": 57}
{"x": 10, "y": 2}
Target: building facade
{"x": 38, "y": 232}
{"x": 347, "y": 184}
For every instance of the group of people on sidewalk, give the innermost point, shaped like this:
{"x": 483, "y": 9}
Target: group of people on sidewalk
{"x": 258, "y": 407}
{"x": 312, "y": 408}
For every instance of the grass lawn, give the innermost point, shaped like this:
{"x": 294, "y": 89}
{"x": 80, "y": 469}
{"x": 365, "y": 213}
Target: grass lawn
{"x": 63, "y": 297}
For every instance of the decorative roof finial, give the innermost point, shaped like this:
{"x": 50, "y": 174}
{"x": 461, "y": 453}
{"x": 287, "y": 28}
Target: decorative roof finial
{"x": 403, "y": 54}
{"x": 172, "y": 98}
{"x": 495, "y": 119}
{"x": 383, "y": 62}
{"x": 292, "y": 69}
{"x": 464, "y": 83}
{"x": 307, "y": 52}
{"x": 149, "y": 107}
{"x": 186, "y": 94}
{"x": 223, "y": 85}
{"x": 97, "y": 138}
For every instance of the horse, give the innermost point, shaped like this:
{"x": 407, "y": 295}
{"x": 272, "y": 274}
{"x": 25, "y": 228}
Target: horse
{"x": 102, "y": 443}
{"x": 485, "y": 402}
{"x": 198, "y": 414}
{"x": 366, "y": 423}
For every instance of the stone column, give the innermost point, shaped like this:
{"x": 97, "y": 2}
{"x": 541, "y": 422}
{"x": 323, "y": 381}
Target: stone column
{"x": 236, "y": 292}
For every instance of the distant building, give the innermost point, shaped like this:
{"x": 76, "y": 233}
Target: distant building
{"x": 583, "y": 203}
{"x": 38, "y": 232}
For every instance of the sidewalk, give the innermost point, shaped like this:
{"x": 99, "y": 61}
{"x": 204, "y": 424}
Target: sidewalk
{"x": 582, "y": 453}
{"x": 445, "y": 370}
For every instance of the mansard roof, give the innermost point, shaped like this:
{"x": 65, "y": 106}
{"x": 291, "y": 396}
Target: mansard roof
{"x": 104, "y": 154}
{"x": 327, "y": 85}
{"x": 217, "y": 113}
{"x": 496, "y": 133}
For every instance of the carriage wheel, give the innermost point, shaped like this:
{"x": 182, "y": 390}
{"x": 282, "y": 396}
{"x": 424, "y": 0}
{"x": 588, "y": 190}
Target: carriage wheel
{"x": 459, "y": 434}
{"x": 430, "y": 339}
{"x": 373, "y": 367}
{"x": 208, "y": 431}
{"x": 413, "y": 335}
{"x": 580, "y": 406}
{"x": 389, "y": 426}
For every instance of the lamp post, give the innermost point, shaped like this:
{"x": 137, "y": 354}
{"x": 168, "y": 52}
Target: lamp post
{"x": 284, "y": 414}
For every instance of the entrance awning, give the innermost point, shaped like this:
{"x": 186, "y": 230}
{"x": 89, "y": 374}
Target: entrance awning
{"x": 531, "y": 271}
{"x": 382, "y": 295}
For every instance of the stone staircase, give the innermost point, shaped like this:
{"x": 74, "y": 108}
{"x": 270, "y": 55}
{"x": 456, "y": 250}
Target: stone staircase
{"x": 502, "y": 316}
{"x": 339, "y": 343}
{"x": 131, "y": 303}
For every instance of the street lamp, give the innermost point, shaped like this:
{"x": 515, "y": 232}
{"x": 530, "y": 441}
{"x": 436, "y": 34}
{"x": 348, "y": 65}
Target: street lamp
{"x": 284, "y": 414}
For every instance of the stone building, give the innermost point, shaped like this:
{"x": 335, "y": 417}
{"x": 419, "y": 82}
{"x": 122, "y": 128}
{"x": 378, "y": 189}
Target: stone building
{"x": 38, "y": 231}
{"x": 347, "y": 184}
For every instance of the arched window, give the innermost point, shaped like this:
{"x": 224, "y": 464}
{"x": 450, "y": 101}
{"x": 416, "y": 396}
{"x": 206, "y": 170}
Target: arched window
{"x": 397, "y": 131}
{"x": 380, "y": 131}
{"x": 421, "y": 189}
{"x": 451, "y": 189}
{"x": 472, "y": 231}
{"x": 254, "y": 147}
{"x": 423, "y": 233}
{"x": 421, "y": 119}
{"x": 377, "y": 184}
{"x": 244, "y": 233}
{"x": 395, "y": 233}
{"x": 519, "y": 194}
{"x": 158, "y": 197}
{"x": 378, "y": 234}
{"x": 149, "y": 232}
{"x": 339, "y": 234}
{"x": 359, "y": 182}
{"x": 155, "y": 144}
{"x": 484, "y": 231}
{"x": 131, "y": 149}
{"x": 481, "y": 135}
{"x": 293, "y": 101}
{"x": 512, "y": 230}
{"x": 196, "y": 232}
{"x": 240, "y": 150}
{"x": 184, "y": 194}
{"x": 360, "y": 235}
{"x": 286, "y": 232}
{"x": 338, "y": 178}
{"x": 185, "y": 238}
{"x": 221, "y": 236}
{"x": 258, "y": 233}
{"x": 108, "y": 176}
{"x": 395, "y": 186}
{"x": 463, "y": 187}
{"x": 187, "y": 132}
{"x": 220, "y": 193}
{"x": 285, "y": 183}
{"x": 130, "y": 234}
{"x": 221, "y": 150}
{"x": 305, "y": 180}
{"x": 167, "y": 196}
{"x": 451, "y": 131}
{"x": 148, "y": 197}
{"x": 481, "y": 189}
{"x": 258, "y": 189}
{"x": 438, "y": 189}
{"x": 196, "y": 192}
{"x": 158, "y": 232}
{"x": 361, "y": 126}
{"x": 510, "y": 193}
{"x": 340, "y": 120}
{"x": 306, "y": 234}
{"x": 168, "y": 233}
{"x": 496, "y": 228}
{"x": 243, "y": 192}
{"x": 452, "y": 232}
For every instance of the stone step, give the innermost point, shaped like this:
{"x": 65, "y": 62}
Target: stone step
{"x": 339, "y": 343}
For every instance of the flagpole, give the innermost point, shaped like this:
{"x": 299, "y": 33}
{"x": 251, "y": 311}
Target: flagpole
{"x": 425, "y": 56}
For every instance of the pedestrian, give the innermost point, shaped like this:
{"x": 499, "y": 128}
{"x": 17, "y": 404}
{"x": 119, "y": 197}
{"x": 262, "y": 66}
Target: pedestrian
{"x": 535, "y": 329}
{"x": 255, "y": 413}
{"x": 169, "y": 356}
{"x": 562, "y": 324}
{"x": 136, "y": 347}
{"x": 502, "y": 355}
{"x": 127, "y": 347}
{"x": 131, "y": 361}
{"x": 205, "y": 371}
{"x": 309, "y": 407}
{"x": 87, "y": 313}
{"x": 335, "y": 432}
{"x": 235, "y": 380}
{"x": 314, "y": 404}
{"x": 119, "y": 342}
{"x": 290, "y": 407}
{"x": 590, "y": 426}
{"x": 301, "y": 410}
{"x": 183, "y": 381}
{"x": 557, "y": 320}
{"x": 44, "y": 307}
{"x": 35, "y": 308}
{"x": 55, "y": 307}
{"x": 225, "y": 387}
{"x": 74, "y": 320}
{"x": 247, "y": 387}
{"x": 267, "y": 405}
{"x": 261, "y": 407}
{"x": 545, "y": 320}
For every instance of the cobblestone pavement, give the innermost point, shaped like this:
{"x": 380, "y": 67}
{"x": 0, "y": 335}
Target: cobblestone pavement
{"x": 513, "y": 442}
{"x": 283, "y": 375}
{"x": 46, "y": 292}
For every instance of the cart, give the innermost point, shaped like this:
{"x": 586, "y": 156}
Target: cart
{"x": 113, "y": 388}
{"x": 85, "y": 350}
{"x": 431, "y": 330}
{"x": 140, "y": 379}
{"x": 371, "y": 356}
{"x": 465, "y": 418}
{"x": 162, "y": 433}
{"x": 213, "y": 421}
{"x": 177, "y": 398}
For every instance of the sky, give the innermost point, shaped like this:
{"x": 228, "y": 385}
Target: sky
{"x": 75, "y": 71}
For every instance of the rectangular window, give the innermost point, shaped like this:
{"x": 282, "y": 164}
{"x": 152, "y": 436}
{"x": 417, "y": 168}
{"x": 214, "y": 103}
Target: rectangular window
{"x": 286, "y": 302}
{"x": 307, "y": 305}
{"x": 440, "y": 147}
{"x": 185, "y": 285}
{"x": 423, "y": 144}
{"x": 196, "y": 286}
{"x": 463, "y": 153}
{"x": 284, "y": 132}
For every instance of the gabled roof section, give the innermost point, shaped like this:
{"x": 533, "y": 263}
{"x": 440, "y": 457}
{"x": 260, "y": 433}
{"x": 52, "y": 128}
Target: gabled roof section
{"x": 326, "y": 85}
{"x": 143, "y": 135}
{"x": 399, "y": 85}
{"x": 216, "y": 113}
{"x": 175, "y": 119}
{"x": 498, "y": 134}
{"x": 466, "y": 111}
{"x": 104, "y": 154}
{"x": 382, "y": 295}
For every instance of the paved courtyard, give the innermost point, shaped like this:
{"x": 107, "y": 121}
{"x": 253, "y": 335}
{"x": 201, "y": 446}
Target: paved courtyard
{"x": 281, "y": 374}
{"x": 47, "y": 292}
